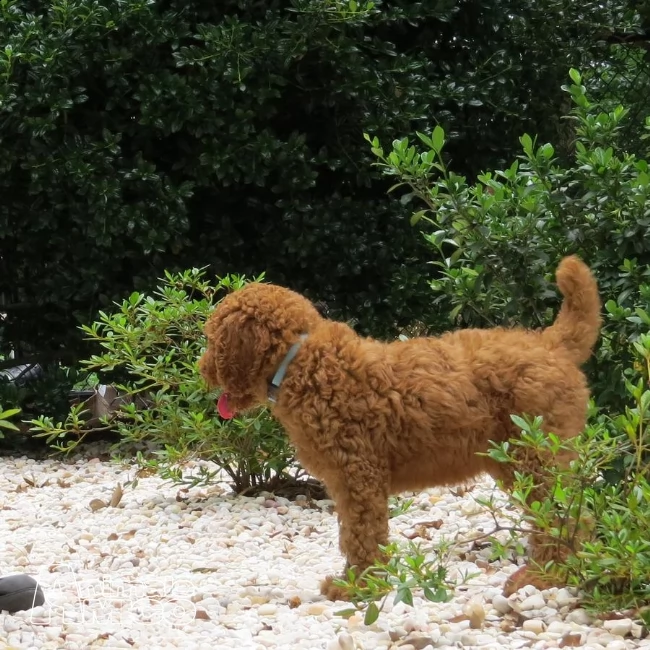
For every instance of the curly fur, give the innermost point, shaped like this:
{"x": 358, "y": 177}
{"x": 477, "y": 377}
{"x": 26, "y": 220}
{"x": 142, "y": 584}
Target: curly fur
{"x": 372, "y": 419}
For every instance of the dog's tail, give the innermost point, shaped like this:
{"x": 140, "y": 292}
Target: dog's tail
{"x": 577, "y": 326}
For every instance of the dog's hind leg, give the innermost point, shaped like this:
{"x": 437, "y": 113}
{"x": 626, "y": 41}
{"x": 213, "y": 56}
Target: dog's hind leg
{"x": 544, "y": 546}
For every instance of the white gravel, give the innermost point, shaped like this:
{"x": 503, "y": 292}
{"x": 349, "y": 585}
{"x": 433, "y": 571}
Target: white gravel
{"x": 203, "y": 569}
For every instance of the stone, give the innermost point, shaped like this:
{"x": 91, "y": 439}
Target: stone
{"x": 563, "y": 597}
{"x": 316, "y": 609}
{"x": 620, "y": 627}
{"x": 267, "y": 609}
{"x": 501, "y": 604}
{"x": 579, "y": 616}
{"x": 534, "y": 625}
{"x": 616, "y": 645}
{"x": 484, "y": 639}
{"x": 536, "y": 601}
{"x": 476, "y": 615}
{"x": 558, "y": 627}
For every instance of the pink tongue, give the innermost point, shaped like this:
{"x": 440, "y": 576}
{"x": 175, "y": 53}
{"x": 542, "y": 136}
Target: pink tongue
{"x": 223, "y": 408}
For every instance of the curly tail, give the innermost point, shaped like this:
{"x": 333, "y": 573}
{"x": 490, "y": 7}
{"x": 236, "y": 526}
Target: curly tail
{"x": 577, "y": 326}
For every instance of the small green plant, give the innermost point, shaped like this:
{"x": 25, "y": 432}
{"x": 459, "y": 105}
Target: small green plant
{"x": 608, "y": 556}
{"x": 398, "y": 507}
{"x": 5, "y": 416}
{"x": 402, "y": 571}
{"x": 150, "y": 349}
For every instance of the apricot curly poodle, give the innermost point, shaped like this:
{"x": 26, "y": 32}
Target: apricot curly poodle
{"x": 371, "y": 419}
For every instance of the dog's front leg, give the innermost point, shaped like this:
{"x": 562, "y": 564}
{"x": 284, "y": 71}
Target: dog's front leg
{"x": 361, "y": 496}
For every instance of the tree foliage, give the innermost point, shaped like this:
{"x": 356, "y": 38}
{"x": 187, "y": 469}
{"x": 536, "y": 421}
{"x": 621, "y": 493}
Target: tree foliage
{"x": 139, "y": 136}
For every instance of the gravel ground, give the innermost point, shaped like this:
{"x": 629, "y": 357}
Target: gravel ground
{"x": 203, "y": 569}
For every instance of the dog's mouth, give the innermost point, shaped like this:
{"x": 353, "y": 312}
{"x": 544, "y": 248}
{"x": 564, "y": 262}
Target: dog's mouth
{"x": 223, "y": 407}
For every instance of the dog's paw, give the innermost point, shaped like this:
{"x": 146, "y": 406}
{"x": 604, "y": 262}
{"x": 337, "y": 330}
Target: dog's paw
{"x": 331, "y": 591}
{"x": 528, "y": 576}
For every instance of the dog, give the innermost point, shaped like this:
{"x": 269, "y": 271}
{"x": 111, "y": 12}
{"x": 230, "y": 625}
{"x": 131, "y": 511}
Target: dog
{"x": 371, "y": 419}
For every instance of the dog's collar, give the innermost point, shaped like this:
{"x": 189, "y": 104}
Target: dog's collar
{"x": 274, "y": 386}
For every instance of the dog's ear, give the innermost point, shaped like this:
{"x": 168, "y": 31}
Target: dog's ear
{"x": 241, "y": 346}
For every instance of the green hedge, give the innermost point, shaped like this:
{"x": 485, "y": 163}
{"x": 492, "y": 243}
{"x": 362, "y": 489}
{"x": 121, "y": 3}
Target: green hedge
{"x": 139, "y": 136}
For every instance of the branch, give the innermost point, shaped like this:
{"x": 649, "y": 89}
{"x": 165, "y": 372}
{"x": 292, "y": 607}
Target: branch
{"x": 633, "y": 40}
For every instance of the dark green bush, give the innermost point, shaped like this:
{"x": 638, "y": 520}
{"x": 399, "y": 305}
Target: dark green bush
{"x": 497, "y": 242}
{"x": 139, "y": 136}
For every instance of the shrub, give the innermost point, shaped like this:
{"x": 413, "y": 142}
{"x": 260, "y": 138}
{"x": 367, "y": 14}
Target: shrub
{"x": 498, "y": 241}
{"x": 403, "y": 572}
{"x": 610, "y": 566}
{"x": 150, "y": 348}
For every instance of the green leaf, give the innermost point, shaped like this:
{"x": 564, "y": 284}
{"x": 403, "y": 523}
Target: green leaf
{"x": 641, "y": 313}
{"x": 547, "y": 151}
{"x": 527, "y": 144}
{"x": 404, "y": 595}
{"x": 438, "y": 138}
{"x": 454, "y": 312}
{"x": 372, "y": 614}
{"x": 417, "y": 216}
{"x": 441, "y": 595}
{"x": 520, "y": 422}
{"x": 425, "y": 138}
{"x": 346, "y": 613}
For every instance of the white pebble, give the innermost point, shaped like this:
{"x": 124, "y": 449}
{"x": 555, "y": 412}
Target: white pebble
{"x": 616, "y": 645}
{"x": 563, "y": 598}
{"x": 484, "y": 639}
{"x": 411, "y": 625}
{"x": 579, "y": 616}
{"x": 136, "y": 575}
{"x": 558, "y": 627}
{"x": 534, "y": 625}
{"x": 536, "y": 601}
{"x": 501, "y": 604}
{"x": 316, "y": 609}
{"x": 637, "y": 630}
{"x": 621, "y": 627}
{"x": 11, "y": 624}
{"x": 269, "y": 609}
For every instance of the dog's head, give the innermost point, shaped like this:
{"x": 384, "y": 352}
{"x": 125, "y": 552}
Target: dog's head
{"x": 249, "y": 333}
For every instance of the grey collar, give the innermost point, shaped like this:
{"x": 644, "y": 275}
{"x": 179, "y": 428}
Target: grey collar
{"x": 274, "y": 386}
